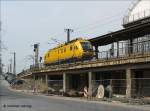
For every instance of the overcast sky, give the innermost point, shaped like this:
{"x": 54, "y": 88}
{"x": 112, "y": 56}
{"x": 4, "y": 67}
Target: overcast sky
{"x": 25, "y": 23}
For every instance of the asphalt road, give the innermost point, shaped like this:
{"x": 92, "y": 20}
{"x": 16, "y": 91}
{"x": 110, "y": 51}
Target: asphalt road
{"x": 16, "y": 101}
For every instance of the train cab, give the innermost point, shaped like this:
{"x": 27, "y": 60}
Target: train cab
{"x": 87, "y": 49}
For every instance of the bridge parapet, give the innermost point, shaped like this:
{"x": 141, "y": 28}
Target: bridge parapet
{"x": 99, "y": 63}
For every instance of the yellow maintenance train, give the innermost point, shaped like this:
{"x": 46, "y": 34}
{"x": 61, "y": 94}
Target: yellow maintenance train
{"x": 77, "y": 49}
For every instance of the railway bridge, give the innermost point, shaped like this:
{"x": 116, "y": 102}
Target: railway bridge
{"x": 121, "y": 63}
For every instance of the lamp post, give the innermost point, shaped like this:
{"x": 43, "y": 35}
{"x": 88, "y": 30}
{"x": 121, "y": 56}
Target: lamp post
{"x": 14, "y": 62}
{"x": 36, "y": 51}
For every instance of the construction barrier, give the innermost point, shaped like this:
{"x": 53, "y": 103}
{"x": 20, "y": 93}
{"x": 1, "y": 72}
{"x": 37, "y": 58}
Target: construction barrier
{"x": 85, "y": 91}
{"x": 100, "y": 91}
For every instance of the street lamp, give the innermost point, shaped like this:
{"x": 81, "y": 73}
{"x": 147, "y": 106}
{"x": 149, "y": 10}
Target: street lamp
{"x": 14, "y": 66}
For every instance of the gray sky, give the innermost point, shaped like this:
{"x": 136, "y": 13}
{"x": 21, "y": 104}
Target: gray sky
{"x": 25, "y": 23}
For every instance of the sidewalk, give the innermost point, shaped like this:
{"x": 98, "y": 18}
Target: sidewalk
{"x": 90, "y": 100}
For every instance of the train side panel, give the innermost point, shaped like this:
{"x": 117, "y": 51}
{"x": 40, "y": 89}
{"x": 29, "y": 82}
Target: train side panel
{"x": 64, "y": 53}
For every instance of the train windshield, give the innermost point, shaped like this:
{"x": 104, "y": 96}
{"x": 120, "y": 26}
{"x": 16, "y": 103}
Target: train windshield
{"x": 86, "y": 46}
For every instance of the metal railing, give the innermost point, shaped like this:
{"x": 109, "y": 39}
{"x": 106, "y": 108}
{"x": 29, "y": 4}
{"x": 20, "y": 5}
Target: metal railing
{"x": 139, "y": 48}
{"x": 140, "y": 87}
{"x": 136, "y": 16}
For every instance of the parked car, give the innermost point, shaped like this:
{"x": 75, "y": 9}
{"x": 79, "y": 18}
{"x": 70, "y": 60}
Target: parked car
{"x": 13, "y": 80}
{"x": 17, "y": 82}
{"x": 10, "y": 78}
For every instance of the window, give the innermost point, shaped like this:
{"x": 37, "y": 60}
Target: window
{"x": 71, "y": 48}
{"x": 65, "y": 49}
{"x": 86, "y": 46}
{"x": 76, "y": 48}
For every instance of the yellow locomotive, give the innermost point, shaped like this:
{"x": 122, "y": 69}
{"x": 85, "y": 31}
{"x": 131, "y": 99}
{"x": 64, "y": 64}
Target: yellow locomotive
{"x": 77, "y": 49}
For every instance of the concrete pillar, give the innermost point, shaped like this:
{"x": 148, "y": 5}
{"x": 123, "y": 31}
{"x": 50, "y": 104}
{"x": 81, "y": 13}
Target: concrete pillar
{"x": 90, "y": 84}
{"x": 41, "y": 78}
{"x": 96, "y": 52}
{"x": 34, "y": 83}
{"x": 65, "y": 82}
{"x": 46, "y": 79}
{"x": 36, "y": 77}
{"x": 128, "y": 82}
{"x": 33, "y": 77}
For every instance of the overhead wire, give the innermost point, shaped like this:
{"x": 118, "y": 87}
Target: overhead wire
{"x": 98, "y": 25}
{"x": 99, "y": 22}
{"x": 95, "y": 24}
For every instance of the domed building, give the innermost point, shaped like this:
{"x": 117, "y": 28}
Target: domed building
{"x": 140, "y": 10}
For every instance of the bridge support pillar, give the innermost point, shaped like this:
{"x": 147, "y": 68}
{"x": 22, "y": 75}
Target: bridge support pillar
{"x": 90, "y": 84}
{"x": 41, "y": 78}
{"x": 33, "y": 77}
{"x": 46, "y": 79}
{"x": 65, "y": 82}
{"x": 128, "y": 82}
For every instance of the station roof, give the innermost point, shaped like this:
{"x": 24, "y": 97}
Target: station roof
{"x": 139, "y": 29}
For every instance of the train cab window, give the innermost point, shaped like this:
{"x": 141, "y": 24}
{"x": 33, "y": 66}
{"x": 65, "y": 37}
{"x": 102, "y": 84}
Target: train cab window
{"x": 71, "y": 48}
{"x": 76, "y": 48}
{"x": 86, "y": 46}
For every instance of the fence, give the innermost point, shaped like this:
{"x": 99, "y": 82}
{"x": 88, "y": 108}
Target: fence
{"x": 140, "y": 87}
